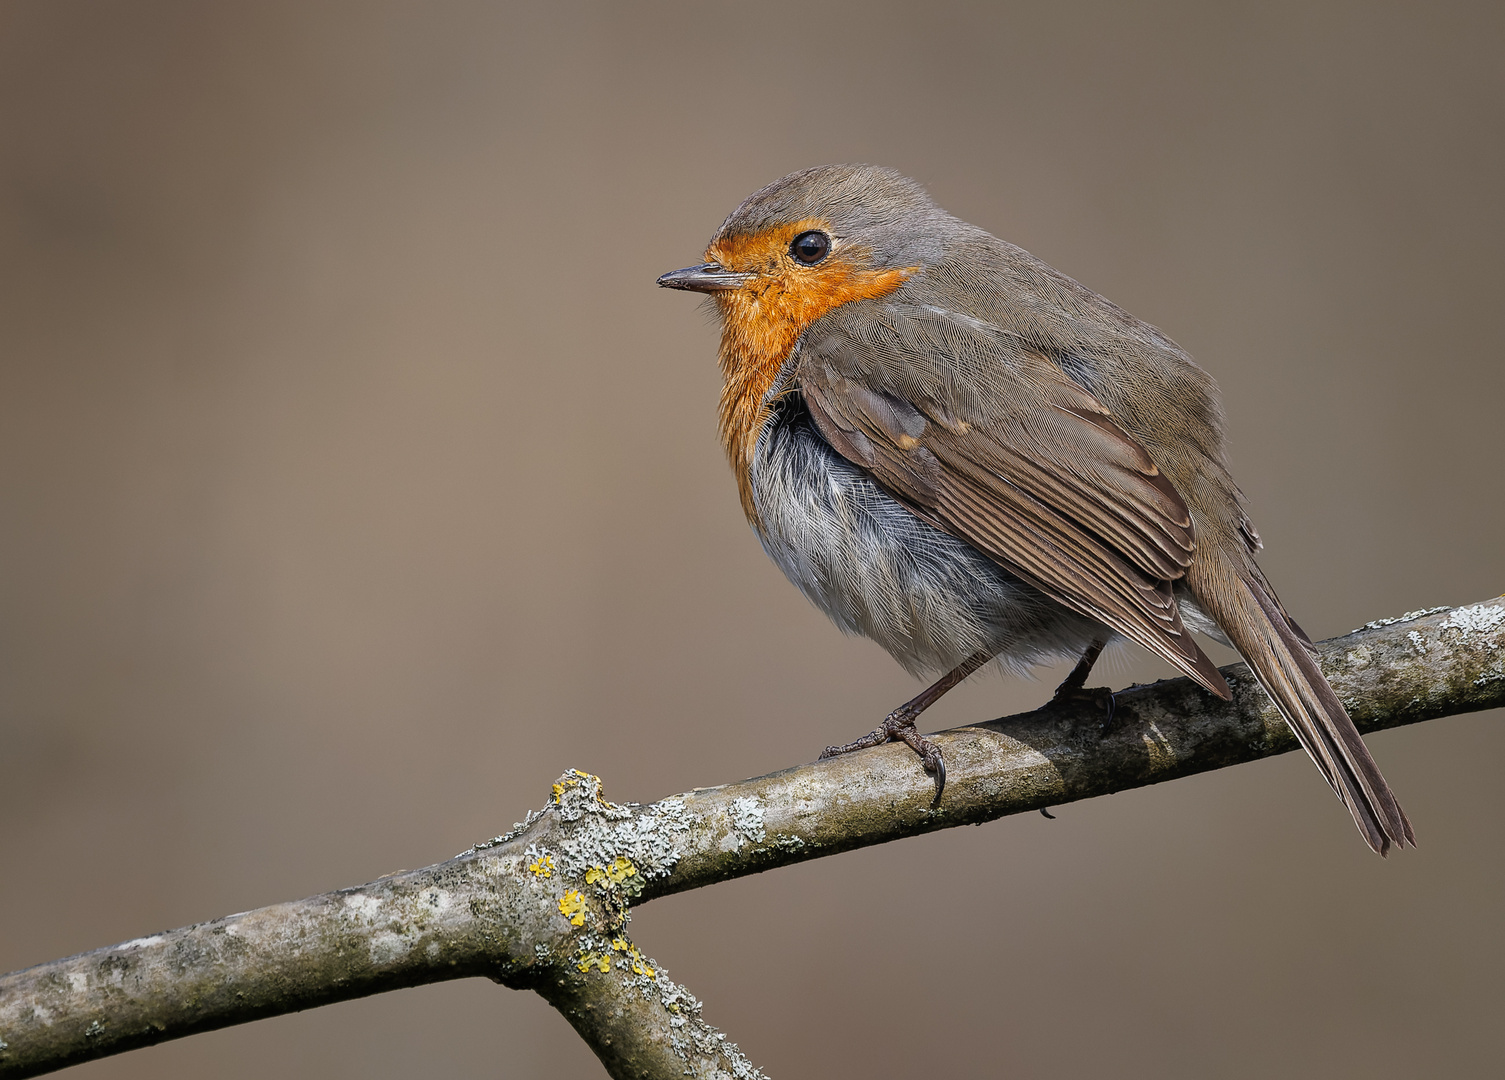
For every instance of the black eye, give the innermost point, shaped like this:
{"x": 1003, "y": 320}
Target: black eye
{"x": 810, "y": 247}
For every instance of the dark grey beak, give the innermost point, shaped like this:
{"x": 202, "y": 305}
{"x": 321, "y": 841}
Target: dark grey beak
{"x": 709, "y": 277}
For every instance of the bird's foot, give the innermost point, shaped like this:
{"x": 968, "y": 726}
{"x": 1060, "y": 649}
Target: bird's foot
{"x": 899, "y": 726}
{"x": 1101, "y": 696}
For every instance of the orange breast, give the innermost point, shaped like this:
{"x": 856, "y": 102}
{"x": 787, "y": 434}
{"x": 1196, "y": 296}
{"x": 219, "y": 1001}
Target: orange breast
{"x": 761, "y": 322}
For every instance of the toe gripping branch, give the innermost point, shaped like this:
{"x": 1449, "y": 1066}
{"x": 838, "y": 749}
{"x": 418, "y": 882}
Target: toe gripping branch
{"x": 899, "y": 726}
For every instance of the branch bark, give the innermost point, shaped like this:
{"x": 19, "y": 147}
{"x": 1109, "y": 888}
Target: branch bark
{"x": 545, "y": 907}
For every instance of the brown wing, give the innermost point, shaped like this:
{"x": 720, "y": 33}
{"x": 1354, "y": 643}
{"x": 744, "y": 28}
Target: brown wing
{"x": 1020, "y": 462}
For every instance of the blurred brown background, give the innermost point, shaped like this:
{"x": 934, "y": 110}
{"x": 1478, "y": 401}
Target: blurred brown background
{"x": 355, "y": 481}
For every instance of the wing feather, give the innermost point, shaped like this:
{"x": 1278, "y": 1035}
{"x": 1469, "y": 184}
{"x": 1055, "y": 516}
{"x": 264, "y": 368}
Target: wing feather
{"x": 1034, "y": 472}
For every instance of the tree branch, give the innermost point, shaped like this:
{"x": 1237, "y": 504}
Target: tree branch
{"x": 545, "y": 907}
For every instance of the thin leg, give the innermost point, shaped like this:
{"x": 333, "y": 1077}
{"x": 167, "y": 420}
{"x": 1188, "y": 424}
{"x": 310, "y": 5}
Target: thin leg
{"x": 1071, "y": 686}
{"x": 1078, "y": 677}
{"x": 900, "y": 724}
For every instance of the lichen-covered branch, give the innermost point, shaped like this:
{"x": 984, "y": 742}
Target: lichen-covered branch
{"x": 544, "y": 909}
{"x": 546, "y": 906}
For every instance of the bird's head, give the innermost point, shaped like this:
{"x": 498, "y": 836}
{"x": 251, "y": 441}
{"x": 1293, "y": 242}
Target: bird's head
{"x": 789, "y": 254}
{"x": 808, "y": 243}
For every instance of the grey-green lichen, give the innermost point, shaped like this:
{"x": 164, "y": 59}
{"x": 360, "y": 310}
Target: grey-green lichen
{"x": 1477, "y": 619}
{"x": 638, "y": 982}
{"x": 651, "y": 837}
{"x": 692, "y": 1037}
{"x": 746, "y": 815}
{"x": 596, "y": 855}
{"x": 1409, "y": 616}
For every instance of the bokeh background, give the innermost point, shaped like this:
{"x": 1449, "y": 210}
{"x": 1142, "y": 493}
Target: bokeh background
{"x": 355, "y": 481}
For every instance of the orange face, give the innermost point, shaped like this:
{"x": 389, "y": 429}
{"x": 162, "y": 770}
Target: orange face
{"x": 762, "y": 319}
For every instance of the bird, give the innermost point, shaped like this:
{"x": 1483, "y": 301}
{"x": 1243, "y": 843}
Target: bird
{"x": 961, "y": 453}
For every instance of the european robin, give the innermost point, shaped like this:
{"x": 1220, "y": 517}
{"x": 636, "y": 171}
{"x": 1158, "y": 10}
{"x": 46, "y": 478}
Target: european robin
{"x": 965, "y": 455}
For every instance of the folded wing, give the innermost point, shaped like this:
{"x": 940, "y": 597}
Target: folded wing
{"x": 1018, "y": 460}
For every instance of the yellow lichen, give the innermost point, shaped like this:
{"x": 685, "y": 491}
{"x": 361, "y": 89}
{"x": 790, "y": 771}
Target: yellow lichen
{"x": 574, "y": 778}
{"x": 543, "y": 866}
{"x": 636, "y": 959}
{"x": 572, "y": 907}
{"x": 620, "y": 870}
{"x": 599, "y": 961}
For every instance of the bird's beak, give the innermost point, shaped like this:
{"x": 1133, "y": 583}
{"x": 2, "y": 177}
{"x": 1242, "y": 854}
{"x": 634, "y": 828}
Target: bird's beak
{"x": 708, "y": 277}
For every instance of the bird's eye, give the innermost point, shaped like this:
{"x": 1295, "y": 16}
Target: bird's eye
{"x": 810, "y": 247}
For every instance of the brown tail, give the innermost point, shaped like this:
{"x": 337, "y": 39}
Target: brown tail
{"x": 1279, "y": 653}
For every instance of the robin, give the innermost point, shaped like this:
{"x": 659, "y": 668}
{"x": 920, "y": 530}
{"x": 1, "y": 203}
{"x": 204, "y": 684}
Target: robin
{"x": 961, "y": 453}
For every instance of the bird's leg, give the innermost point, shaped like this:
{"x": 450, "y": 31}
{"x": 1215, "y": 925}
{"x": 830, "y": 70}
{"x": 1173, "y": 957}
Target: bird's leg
{"x": 1078, "y": 677}
{"x": 900, "y": 724}
{"x": 1071, "y": 687}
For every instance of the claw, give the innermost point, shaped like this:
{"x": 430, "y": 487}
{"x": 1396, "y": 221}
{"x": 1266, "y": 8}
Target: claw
{"x": 940, "y": 778}
{"x": 1101, "y": 696}
{"x": 899, "y": 724}
{"x": 899, "y": 727}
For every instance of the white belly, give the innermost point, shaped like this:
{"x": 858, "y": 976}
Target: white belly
{"x": 878, "y": 570}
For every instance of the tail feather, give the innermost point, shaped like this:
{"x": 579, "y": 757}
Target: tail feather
{"x": 1280, "y": 655}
